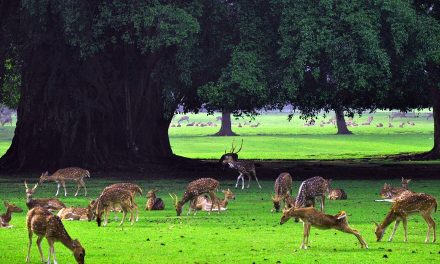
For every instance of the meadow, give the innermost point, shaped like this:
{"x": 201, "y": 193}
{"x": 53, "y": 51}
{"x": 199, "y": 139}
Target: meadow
{"x": 246, "y": 233}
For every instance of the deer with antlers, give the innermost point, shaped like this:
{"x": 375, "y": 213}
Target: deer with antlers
{"x": 132, "y": 188}
{"x": 283, "y": 188}
{"x": 110, "y": 199}
{"x": 202, "y": 202}
{"x": 154, "y": 202}
{"x": 194, "y": 189}
{"x": 67, "y": 174}
{"x": 232, "y": 153}
{"x": 402, "y": 207}
{"x": 51, "y": 204}
{"x": 44, "y": 224}
{"x": 6, "y": 217}
{"x": 312, "y": 217}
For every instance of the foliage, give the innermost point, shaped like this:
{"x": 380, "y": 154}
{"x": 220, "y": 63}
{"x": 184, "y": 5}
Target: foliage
{"x": 10, "y": 89}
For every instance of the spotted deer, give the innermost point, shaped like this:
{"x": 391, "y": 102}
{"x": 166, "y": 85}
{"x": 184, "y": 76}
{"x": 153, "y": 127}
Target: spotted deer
{"x": 391, "y": 192}
{"x": 6, "y": 217}
{"x": 283, "y": 188}
{"x": 67, "y": 174}
{"x": 51, "y": 204}
{"x": 312, "y": 217}
{"x": 405, "y": 183}
{"x": 404, "y": 206}
{"x": 132, "y": 188}
{"x": 77, "y": 213}
{"x": 244, "y": 168}
{"x": 337, "y": 194}
{"x": 154, "y": 202}
{"x": 232, "y": 153}
{"x": 194, "y": 189}
{"x": 202, "y": 202}
{"x": 110, "y": 199}
{"x": 44, "y": 224}
{"x": 311, "y": 188}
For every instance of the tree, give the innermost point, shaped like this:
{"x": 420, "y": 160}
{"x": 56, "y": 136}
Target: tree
{"x": 333, "y": 57}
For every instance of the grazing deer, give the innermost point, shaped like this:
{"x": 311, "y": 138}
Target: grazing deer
{"x": 6, "y": 217}
{"x": 337, "y": 194}
{"x": 311, "y": 217}
{"x": 202, "y": 202}
{"x": 183, "y": 118}
{"x": 310, "y": 188}
{"x": 404, "y": 206}
{"x": 196, "y": 188}
{"x": 44, "y": 224}
{"x": 132, "y": 188}
{"x": 370, "y": 119}
{"x": 67, "y": 174}
{"x": 153, "y": 202}
{"x": 379, "y": 125}
{"x": 77, "y": 213}
{"x": 111, "y": 198}
{"x": 390, "y": 192}
{"x": 51, "y": 204}
{"x": 282, "y": 188}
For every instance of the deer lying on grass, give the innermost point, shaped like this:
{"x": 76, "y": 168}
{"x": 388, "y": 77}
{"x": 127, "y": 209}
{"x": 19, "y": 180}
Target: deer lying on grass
{"x": 44, "y": 224}
{"x": 337, "y": 194}
{"x": 51, "y": 204}
{"x": 77, "y": 213}
{"x": 132, "y": 188}
{"x": 283, "y": 188}
{"x": 390, "y": 192}
{"x": 67, "y": 174}
{"x": 404, "y": 206}
{"x": 111, "y": 198}
{"x": 153, "y": 202}
{"x": 196, "y": 188}
{"x": 6, "y": 217}
{"x": 202, "y": 202}
{"x": 311, "y": 217}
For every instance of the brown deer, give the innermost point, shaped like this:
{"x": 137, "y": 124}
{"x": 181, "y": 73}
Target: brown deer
{"x": 311, "y": 217}
{"x": 67, "y": 174}
{"x": 77, "y": 213}
{"x": 337, "y": 194}
{"x": 202, "y": 202}
{"x": 44, "y": 224}
{"x": 232, "y": 153}
{"x": 132, "y": 188}
{"x": 110, "y": 199}
{"x": 154, "y": 202}
{"x": 370, "y": 119}
{"x": 244, "y": 168}
{"x": 404, "y": 206}
{"x": 6, "y": 217}
{"x": 283, "y": 188}
{"x": 390, "y": 192}
{"x": 311, "y": 188}
{"x": 196, "y": 188}
{"x": 51, "y": 204}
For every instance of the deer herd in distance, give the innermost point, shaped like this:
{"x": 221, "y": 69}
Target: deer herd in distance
{"x": 201, "y": 195}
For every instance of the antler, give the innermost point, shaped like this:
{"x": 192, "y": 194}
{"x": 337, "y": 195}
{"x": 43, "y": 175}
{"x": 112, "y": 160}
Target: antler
{"x": 232, "y": 146}
{"x": 240, "y": 146}
{"x": 25, "y": 184}
{"x": 175, "y": 198}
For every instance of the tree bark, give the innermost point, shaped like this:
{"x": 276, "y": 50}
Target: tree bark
{"x": 434, "y": 153}
{"x": 340, "y": 123}
{"x": 226, "y": 128}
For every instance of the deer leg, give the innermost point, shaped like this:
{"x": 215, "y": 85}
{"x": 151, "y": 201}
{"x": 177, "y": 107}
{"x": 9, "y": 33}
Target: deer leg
{"x": 28, "y": 258}
{"x": 242, "y": 181}
{"x": 53, "y": 253}
{"x": 405, "y": 229}
{"x": 136, "y": 207}
{"x": 255, "y": 175}
{"x": 78, "y": 186}
{"x": 431, "y": 225}
{"x": 394, "y": 230}
{"x": 322, "y": 203}
{"x": 349, "y": 230}
{"x": 83, "y": 184}
{"x": 249, "y": 181}
{"x": 64, "y": 186}
{"x": 124, "y": 214}
{"x": 190, "y": 206}
{"x": 58, "y": 189}
{"x": 238, "y": 179}
{"x": 106, "y": 214}
{"x": 39, "y": 239}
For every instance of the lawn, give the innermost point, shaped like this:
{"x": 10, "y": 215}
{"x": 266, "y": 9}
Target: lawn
{"x": 246, "y": 233}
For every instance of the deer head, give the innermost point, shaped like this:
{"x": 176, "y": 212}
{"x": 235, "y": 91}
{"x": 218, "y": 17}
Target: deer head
{"x": 91, "y": 208}
{"x": 78, "y": 251}
{"x": 405, "y": 182}
{"x": 30, "y": 191}
{"x": 232, "y": 153}
{"x": 276, "y": 202}
{"x": 177, "y": 203}
{"x": 152, "y": 193}
{"x": 379, "y": 231}
{"x": 286, "y": 215}
{"x": 44, "y": 176}
{"x": 12, "y": 207}
{"x": 229, "y": 195}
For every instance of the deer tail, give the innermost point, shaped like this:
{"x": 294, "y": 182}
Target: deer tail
{"x": 87, "y": 174}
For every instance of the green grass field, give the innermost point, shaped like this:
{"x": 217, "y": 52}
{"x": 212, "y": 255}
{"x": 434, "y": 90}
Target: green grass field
{"x": 246, "y": 233}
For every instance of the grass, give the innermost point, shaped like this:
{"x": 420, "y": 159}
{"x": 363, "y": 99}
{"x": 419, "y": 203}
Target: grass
{"x": 246, "y": 233}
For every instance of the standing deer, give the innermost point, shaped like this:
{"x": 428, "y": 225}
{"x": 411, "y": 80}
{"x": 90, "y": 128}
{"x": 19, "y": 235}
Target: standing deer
{"x": 196, "y": 188}
{"x": 44, "y": 224}
{"x": 111, "y": 198}
{"x": 132, "y": 188}
{"x": 6, "y": 217}
{"x": 202, "y": 202}
{"x": 51, "y": 204}
{"x": 232, "y": 153}
{"x": 67, "y": 174}
{"x": 311, "y": 217}
{"x": 404, "y": 206}
{"x": 283, "y": 188}
{"x": 153, "y": 202}
{"x": 244, "y": 168}
{"x": 337, "y": 194}
{"x": 309, "y": 189}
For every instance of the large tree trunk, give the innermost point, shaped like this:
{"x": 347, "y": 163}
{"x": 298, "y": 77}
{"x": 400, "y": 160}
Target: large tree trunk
{"x": 226, "y": 128}
{"x": 340, "y": 123}
{"x": 435, "y": 151}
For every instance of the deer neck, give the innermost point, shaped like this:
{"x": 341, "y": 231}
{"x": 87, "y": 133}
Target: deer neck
{"x": 391, "y": 217}
{"x": 224, "y": 202}
{"x": 7, "y": 216}
{"x": 66, "y": 240}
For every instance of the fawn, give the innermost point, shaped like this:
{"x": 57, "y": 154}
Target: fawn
{"x": 202, "y": 202}
{"x": 153, "y": 202}
{"x": 309, "y": 189}
{"x": 337, "y": 194}
{"x": 67, "y": 174}
{"x": 44, "y": 224}
{"x": 311, "y": 217}
{"x": 404, "y": 206}
{"x": 51, "y": 204}
{"x": 111, "y": 198}
{"x": 132, "y": 188}
{"x": 283, "y": 188}
{"x": 6, "y": 217}
{"x": 196, "y": 188}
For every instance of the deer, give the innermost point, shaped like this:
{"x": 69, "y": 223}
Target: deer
{"x": 51, "y": 204}
{"x": 244, "y": 168}
{"x": 390, "y": 192}
{"x": 46, "y": 225}
{"x": 132, "y": 188}
{"x": 6, "y": 119}
{"x": 337, "y": 194}
{"x": 202, "y": 202}
{"x": 402, "y": 207}
{"x": 255, "y": 125}
{"x": 405, "y": 183}
{"x": 370, "y": 119}
{"x": 111, "y": 198}
{"x": 311, "y": 188}
{"x": 67, "y": 174}
{"x": 282, "y": 188}
{"x": 6, "y": 217}
{"x": 232, "y": 153}
{"x": 77, "y": 213}
{"x": 183, "y": 118}
{"x": 154, "y": 202}
{"x": 196, "y": 188}
{"x": 312, "y": 217}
